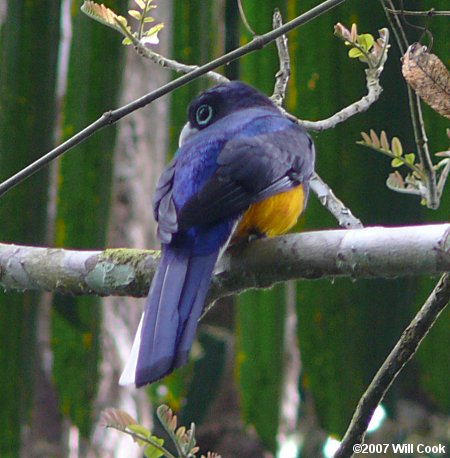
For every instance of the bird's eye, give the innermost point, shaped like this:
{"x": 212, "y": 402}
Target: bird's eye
{"x": 203, "y": 115}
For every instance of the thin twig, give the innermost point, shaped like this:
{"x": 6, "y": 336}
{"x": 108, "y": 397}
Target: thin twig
{"x": 374, "y": 91}
{"x": 244, "y": 19}
{"x": 430, "y": 12}
{"x": 403, "y": 351}
{"x": 443, "y": 177}
{"x": 140, "y": 438}
{"x": 336, "y": 207}
{"x": 113, "y": 116}
{"x": 283, "y": 74}
{"x": 415, "y": 109}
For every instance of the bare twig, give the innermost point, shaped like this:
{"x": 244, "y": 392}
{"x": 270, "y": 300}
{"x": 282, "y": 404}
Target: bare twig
{"x": 373, "y": 94}
{"x": 244, "y": 19}
{"x": 327, "y": 198}
{"x": 420, "y": 135}
{"x": 114, "y": 115}
{"x": 430, "y": 12}
{"x": 403, "y": 351}
{"x": 283, "y": 74}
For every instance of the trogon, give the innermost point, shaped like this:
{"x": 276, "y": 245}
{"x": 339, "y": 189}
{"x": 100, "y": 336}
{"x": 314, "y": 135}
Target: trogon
{"x": 242, "y": 169}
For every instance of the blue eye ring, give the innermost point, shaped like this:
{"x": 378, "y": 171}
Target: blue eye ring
{"x": 203, "y": 114}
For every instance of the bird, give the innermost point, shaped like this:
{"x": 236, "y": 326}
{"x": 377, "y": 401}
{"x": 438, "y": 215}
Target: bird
{"x": 242, "y": 170}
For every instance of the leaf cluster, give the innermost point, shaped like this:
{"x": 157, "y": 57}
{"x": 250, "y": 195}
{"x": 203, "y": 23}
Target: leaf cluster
{"x": 143, "y": 34}
{"x": 414, "y": 182}
{"x": 364, "y": 46}
{"x": 183, "y": 439}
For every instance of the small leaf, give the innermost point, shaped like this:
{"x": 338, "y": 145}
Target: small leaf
{"x": 366, "y": 41}
{"x": 116, "y": 418}
{"x": 100, "y": 13}
{"x": 173, "y": 423}
{"x": 180, "y": 431}
{"x": 148, "y": 19}
{"x": 151, "y": 451}
{"x": 141, "y": 430}
{"x": 135, "y": 14}
{"x": 342, "y": 31}
{"x": 374, "y": 138}
{"x": 395, "y": 181}
{"x": 354, "y": 32}
{"x": 355, "y": 53}
{"x": 410, "y": 157}
{"x": 140, "y": 3}
{"x": 396, "y": 146}
{"x": 366, "y": 138}
{"x": 127, "y": 41}
{"x": 384, "y": 141}
{"x": 154, "y": 30}
{"x": 396, "y": 162}
{"x": 167, "y": 418}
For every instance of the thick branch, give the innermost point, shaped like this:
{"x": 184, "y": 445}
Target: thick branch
{"x": 403, "y": 351}
{"x": 355, "y": 253}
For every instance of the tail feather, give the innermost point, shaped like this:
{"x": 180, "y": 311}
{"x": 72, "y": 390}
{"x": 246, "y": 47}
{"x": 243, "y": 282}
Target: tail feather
{"x": 174, "y": 305}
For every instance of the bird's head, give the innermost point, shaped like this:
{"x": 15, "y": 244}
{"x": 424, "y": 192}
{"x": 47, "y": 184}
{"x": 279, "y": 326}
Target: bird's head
{"x": 220, "y": 101}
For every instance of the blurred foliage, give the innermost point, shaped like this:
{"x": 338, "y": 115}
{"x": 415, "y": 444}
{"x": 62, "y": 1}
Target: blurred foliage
{"x": 260, "y": 315}
{"x": 84, "y": 185}
{"x": 28, "y": 54}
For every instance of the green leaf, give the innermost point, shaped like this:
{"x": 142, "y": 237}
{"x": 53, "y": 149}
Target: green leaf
{"x": 396, "y": 162}
{"x": 151, "y": 451}
{"x": 366, "y": 41}
{"x": 139, "y": 429}
{"x": 410, "y": 158}
{"x": 135, "y": 14}
{"x": 154, "y": 30}
{"x": 396, "y": 146}
{"x": 140, "y": 3}
{"x": 355, "y": 53}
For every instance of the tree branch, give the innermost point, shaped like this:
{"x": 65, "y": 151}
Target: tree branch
{"x": 336, "y": 207}
{"x": 283, "y": 74}
{"x": 356, "y": 253}
{"x": 403, "y": 351}
{"x": 374, "y": 91}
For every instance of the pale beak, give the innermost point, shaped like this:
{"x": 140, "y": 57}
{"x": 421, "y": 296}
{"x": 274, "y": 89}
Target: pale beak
{"x": 186, "y": 132}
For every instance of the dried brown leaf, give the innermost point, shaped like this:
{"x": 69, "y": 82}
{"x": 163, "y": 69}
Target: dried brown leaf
{"x": 429, "y": 77}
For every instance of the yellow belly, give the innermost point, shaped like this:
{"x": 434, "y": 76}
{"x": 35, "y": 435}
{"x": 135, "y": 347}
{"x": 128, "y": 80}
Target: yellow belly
{"x": 272, "y": 216}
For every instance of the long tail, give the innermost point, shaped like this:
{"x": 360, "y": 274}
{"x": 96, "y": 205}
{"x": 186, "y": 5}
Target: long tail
{"x": 167, "y": 327}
